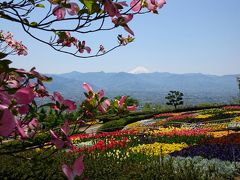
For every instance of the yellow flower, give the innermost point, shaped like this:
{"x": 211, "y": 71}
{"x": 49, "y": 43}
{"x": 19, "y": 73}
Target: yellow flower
{"x": 236, "y": 119}
{"x": 221, "y": 133}
{"x": 203, "y": 116}
{"x": 158, "y": 149}
{"x": 232, "y": 112}
{"x": 215, "y": 126}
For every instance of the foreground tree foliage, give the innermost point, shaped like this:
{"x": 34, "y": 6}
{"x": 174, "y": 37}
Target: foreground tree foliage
{"x": 66, "y": 22}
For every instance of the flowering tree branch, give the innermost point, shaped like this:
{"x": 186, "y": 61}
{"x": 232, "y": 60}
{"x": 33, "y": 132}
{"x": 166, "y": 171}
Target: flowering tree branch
{"x": 59, "y": 18}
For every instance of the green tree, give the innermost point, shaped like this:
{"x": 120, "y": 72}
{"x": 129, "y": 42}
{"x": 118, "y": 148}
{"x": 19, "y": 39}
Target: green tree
{"x": 174, "y": 98}
{"x": 147, "y": 107}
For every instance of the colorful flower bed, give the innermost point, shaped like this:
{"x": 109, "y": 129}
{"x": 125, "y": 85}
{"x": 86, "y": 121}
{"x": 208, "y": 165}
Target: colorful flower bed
{"x": 232, "y": 107}
{"x": 205, "y": 148}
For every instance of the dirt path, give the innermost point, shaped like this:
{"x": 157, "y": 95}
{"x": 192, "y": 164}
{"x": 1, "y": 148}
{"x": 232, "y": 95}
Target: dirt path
{"x": 91, "y": 130}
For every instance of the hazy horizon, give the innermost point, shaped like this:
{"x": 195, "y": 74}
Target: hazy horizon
{"x": 238, "y": 74}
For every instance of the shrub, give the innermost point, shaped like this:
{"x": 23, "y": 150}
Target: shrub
{"x": 112, "y": 126}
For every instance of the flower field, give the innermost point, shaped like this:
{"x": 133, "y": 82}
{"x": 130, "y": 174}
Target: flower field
{"x": 201, "y": 147}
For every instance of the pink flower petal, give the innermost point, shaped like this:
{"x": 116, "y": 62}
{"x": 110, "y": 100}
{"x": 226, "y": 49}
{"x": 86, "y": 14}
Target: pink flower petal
{"x": 121, "y": 101}
{"x": 22, "y": 130}
{"x": 136, "y": 5}
{"x": 7, "y": 122}
{"x": 59, "y": 12}
{"x": 128, "y": 29}
{"x": 151, "y": 5}
{"x": 58, "y": 97}
{"x": 87, "y": 87}
{"x": 101, "y": 94}
{"x": 104, "y": 106}
{"x": 110, "y": 8}
{"x": 78, "y": 166}
{"x": 161, "y": 3}
{"x": 23, "y": 109}
{"x": 128, "y": 18}
{"x": 70, "y": 104}
{"x": 33, "y": 123}
{"x": 65, "y": 128}
{"x": 56, "y": 140}
{"x": 131, "y": 108}
{"x": 74, "y": 9}
{"x": 13, "y": 84}
{"x": 88, "y": 49}
{"x": 68, "y": 172}
{"x": 24, "y": 95}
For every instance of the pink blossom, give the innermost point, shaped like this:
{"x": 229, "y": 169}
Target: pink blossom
{"x": 65, "y": 128}
{"x": 23, "y": 109}
{"x": 82, "y": 47}
{"x": 122, "y": 21}
{"x": 13, "y": 84}
{"x": 111, "y": 8}
{"x": 121, "y": 101}
{"x": 74, "y": 9}
{"x": 27, "y": 130}
{"x": 87, "y": 87}
{"x": 66, "y": 39}
{"x": 136, "y": 5}
{"x": 104, "y": 106}
{"x": 56, "y": 140}
{"x": 131, "y": 108}
{"x": 24, "y": 95}
{"x": 21, "y": 129}
{"x": 71, "y": 105}
{"x": 7, "y": 122}
{"x": 60, "y": 12}
{"x": 58, "y": 97}
{"x": 101, "y": 94}
{"x": 76, "y": 170}
{"x": 33, "y": 123}
{"x": 153, "y": 5}
{"x": 17, "y": 46}
{"x": 102, "y": 49}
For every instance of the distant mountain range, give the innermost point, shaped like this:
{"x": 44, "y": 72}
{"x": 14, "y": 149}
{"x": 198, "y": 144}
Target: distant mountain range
{"x": 148, "y": 87}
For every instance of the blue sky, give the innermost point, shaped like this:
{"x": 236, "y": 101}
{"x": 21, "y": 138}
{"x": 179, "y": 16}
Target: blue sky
{"x": 187, "y": 36}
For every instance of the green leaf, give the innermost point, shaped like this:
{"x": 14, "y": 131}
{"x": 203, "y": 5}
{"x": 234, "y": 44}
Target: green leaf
{"x": 34, "y": 24}
{"x": 83, "y": 11}
{"x": 92, "y": 6}
{"x": 40, "y": 6}
{"x": 95, "y": 8}
{"x": 3, "y": 55}
{"x": 48, "y": 79}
